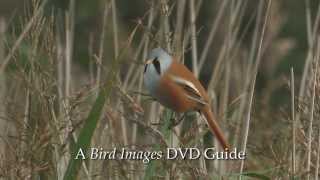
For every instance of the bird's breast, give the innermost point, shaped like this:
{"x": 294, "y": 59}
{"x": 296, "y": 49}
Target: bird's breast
{"x": 151, "y": 79}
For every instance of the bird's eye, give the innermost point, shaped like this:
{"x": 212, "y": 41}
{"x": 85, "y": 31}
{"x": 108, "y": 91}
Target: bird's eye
{"x": 156, "y": 65}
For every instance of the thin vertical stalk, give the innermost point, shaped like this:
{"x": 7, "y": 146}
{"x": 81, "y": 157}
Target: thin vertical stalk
{"x": 315, "y": 74}
{"x": 317, "y": 21}
{"x": 144, "y": 56}
{"x": 293, "y": 155}
{"x": 115, "y": 28}
{"x": 116, "y": 53}
{"x": 306, "y": 72}
{"x": 26, "y": 114}
{"x": 63, "y": 159}
{"x": 247, "y": 125}
{"x": 215, "y": 73}
{"x": 252, "y": 52}
{"x": 316, "y": 174}
{"x": 195, "y": 66}
{"x": 70, "y": 25}
{"x": 60, "y": 71}
{"x": 181, "y": 6}
{"x": 69, "y": 53}
{"x": 310, "y": 36}
{"x": 91, "y": 61}
{"x": 239, "y": 9}
{"x": 3, "y": 124}
{"x": 165, "y": 25}
{"x": 186, "y": 37}
{"x": 212, "y": 33}
{"x": 69, "y": 30}
{"x": 193, "y": 39}
{"x": 255, "y": 72}
{"x": 309, "y": 24}
{"x": 101, "y": 45}
{"x": 133, "y": 67}
{"x": 227, "y": 69}
{"x": 225, "y": 97}
{"x": 309, "y": 149}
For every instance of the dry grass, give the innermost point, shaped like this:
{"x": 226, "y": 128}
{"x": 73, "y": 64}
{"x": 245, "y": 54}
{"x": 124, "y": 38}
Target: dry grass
{"x": 50, "y": 105}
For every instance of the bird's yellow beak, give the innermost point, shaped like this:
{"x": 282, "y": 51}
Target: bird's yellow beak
{"x": 149, "y": 61}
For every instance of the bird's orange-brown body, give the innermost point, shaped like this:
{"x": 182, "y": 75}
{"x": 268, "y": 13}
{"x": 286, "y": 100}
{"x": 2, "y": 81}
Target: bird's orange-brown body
{"x": 172, "y": 96}
{"x": 175, "y": 87}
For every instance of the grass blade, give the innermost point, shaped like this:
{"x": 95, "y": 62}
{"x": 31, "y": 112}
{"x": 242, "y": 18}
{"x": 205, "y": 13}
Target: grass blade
{"x": 86, "y": 135}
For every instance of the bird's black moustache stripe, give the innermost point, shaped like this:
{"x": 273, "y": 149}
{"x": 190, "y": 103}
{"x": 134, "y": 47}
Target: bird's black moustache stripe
{"x": 156, "y": 65}
{"x": 145, "y": 68}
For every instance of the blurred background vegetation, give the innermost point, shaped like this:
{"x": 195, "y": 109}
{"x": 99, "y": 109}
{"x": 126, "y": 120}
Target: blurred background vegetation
{"x": 45, "y": 102}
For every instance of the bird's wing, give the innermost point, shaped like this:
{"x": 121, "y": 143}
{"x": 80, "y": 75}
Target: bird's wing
{"x": 191, "y": 91}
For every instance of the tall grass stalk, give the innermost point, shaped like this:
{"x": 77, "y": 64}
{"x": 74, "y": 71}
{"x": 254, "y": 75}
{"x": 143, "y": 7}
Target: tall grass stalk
{"x": 316, "y": 173}
{"x": 293, "y": 155}
{"x": 194, "y": 48}
{"x": 3, "y": 124}
{"x": 248, "y": 74}
{"x": 309, "y": 149}
{"x": 311, "y": 34}
{"x": 187, "y": 35}
{"x": 177, "y": 40}
{"x": 252, "y": 87}
{"x": 213, "y": 31}
{"x": 102, "y": 42}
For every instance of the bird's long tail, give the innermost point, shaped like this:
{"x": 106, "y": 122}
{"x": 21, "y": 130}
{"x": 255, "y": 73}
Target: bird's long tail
{"x": 214, "y": 127}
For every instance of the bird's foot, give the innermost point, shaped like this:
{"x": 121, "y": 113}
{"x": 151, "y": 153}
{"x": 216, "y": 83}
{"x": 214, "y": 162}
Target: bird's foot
{"x": 175, "y": 122}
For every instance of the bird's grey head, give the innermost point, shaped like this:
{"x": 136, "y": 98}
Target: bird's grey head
{"x": 159, "y": 59}
{"x": 158, "y": 62}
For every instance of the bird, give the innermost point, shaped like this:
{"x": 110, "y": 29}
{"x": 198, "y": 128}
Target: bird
{"x": 174, "y": 86}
